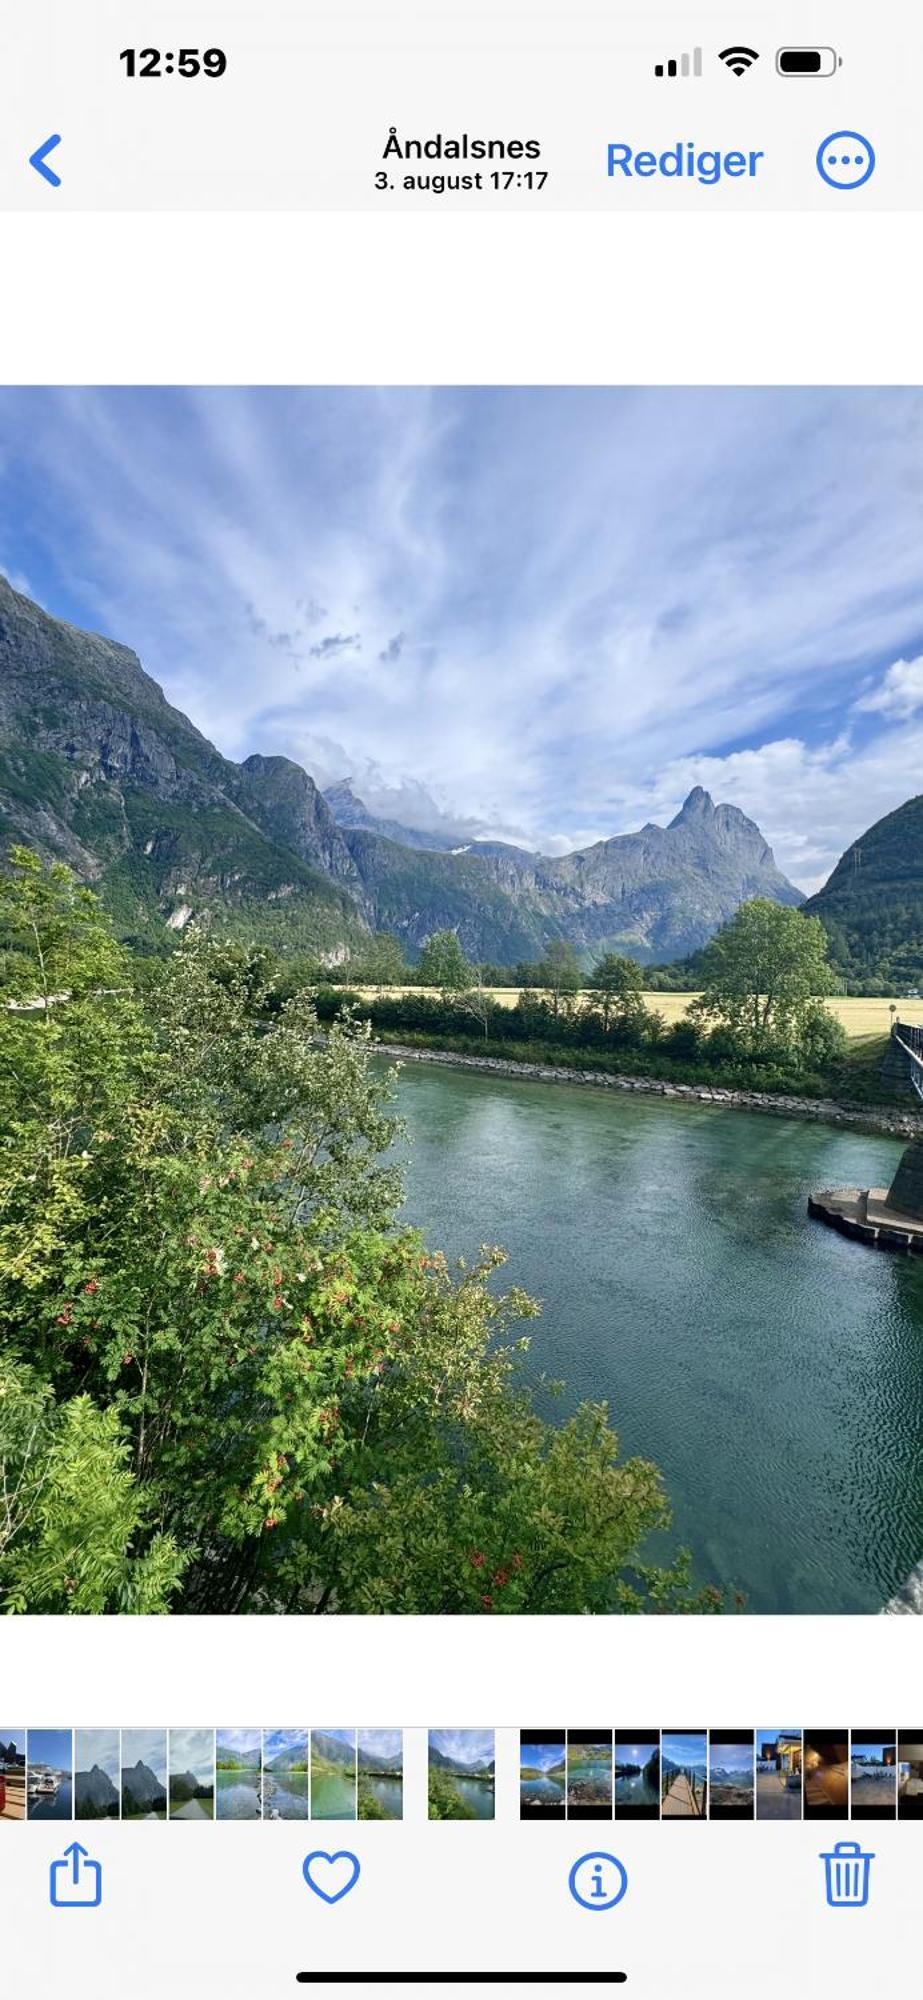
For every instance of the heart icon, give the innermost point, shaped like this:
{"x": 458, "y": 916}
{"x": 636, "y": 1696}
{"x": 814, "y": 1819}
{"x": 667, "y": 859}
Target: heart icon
{"x": 331, "y": 1875}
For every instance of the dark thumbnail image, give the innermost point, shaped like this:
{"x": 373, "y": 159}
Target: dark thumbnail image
{"x": 636, "y": 1765}
{"x": 873, "y": 1774}
{"x": 826, "y": 1773}
{"x": 910, "y": 1773}
{"x": 778, "y": 1773}
{"x": 542, "y": 1774}
{"x": 731, "y": 1773}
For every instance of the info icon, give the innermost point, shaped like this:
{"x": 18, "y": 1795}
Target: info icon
{"x": 598, "y": 1881}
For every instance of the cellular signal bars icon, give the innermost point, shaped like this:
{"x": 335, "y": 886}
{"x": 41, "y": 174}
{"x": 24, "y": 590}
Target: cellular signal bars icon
{"x": 688, "y": 65}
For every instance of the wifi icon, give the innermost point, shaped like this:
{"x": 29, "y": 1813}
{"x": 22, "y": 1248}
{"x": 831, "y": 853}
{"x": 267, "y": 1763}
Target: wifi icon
{"x": 739, "y": 59}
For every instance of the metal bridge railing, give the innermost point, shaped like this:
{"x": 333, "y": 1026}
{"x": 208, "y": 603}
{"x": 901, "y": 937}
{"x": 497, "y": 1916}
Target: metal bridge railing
{"x": 910, "y": 1040}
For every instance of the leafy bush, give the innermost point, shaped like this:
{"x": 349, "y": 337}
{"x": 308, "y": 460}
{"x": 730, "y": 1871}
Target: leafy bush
{"x": 236, "y": 1383}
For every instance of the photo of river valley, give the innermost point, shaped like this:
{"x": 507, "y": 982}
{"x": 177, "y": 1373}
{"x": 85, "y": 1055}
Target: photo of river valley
{"x": 770, "y": 1368}
{"x": 461, "y": 1030}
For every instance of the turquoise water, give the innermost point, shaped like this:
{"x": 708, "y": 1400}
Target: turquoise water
{"x": 589, "y": 1777}
{"x": 237, "y": 1794}
{"x": 773, "y": 1370}
{"x": 333, "y": 1794}
{"x": 542, "y": 1791}
{"x": 285, "y": 1795}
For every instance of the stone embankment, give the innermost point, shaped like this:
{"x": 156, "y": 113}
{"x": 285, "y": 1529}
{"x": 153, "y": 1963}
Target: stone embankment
{"x": 898, "y": 1124}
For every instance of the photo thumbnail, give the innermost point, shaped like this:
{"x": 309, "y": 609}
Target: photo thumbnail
{"x": 97, "y": 1769}
{"x": 286, "y": 1774}
{"x": 12, "y": 1774}
{"x": 684, "y": 1774}
{"x": 380, "y": 1766}
{"x": 192, "y": 1774}
{"x": 637, "y": 1774}
{"x": 873, "y": 1774}
{"x": 333, "y": 1774}
{"x": 731, "y": 1773}
{"x": 442, "y": 860}
{"x": 778, "y": 1773}
{"x": 50, "y": 1773}
{"x": 589, "y": 1774}
{"x": 826, "y": 1774}
{"x": 144, "y": 1774}
{"x": 238, "y": 1774}
{"x": 910, "y": 1774}
{"x": 462, "y": 1769}
{"x": 542, "y": 1774}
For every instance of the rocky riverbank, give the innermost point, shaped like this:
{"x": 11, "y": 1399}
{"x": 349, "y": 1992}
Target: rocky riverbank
{"x": 898, "y": 1124}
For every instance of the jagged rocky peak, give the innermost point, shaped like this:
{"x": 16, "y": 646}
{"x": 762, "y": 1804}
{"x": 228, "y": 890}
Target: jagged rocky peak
{"x": 288, "y": 803}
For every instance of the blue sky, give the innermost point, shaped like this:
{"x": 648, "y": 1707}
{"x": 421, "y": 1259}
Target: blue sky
{"x": 634, "y": 1753}
{"x": 53, "y": 1747}
{"x": 682, "y": 1749}
{"x": 545, "y": 614}
{"x": 292, "y": 1743}
{"x": 541, "y": 1756}
{"x": 764, "y": 1736}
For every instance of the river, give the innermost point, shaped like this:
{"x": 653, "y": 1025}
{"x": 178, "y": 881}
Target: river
{"x": 773, "y": 1370}
{"x": 237, "y": 1794}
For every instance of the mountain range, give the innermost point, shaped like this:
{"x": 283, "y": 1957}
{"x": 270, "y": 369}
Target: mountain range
{"x": 142, "y": 1791}
{"x": 95, "y": 1795}
{"x": 98, "y": 769}
{"x": 480, "y": 1767}
{"x": 331, "y": 1749}
{"x": 872, "y": 905}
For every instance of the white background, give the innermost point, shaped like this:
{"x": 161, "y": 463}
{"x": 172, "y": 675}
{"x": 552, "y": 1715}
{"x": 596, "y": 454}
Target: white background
{"x": 170, "y": 298}
{"x": 463, "y": 299}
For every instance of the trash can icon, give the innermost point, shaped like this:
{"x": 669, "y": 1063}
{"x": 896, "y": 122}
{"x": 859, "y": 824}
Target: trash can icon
{"x": 847, "y": 1874}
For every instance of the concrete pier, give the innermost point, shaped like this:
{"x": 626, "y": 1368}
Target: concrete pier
{"x": 868, "y": 1216}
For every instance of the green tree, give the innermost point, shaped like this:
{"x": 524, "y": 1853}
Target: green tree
{"x": 478, "y": 1001}
{"x": 559, "y": 973}
{"x": 615, "y": 986}
{"x": 71, "y": 1511}
{"x": 380, "y": 962}
{"x": 443, "y": 963}
{"x": 444, "y": 1798}
{"x": 762, "y": 976}
{"x": 252, "y": 1390}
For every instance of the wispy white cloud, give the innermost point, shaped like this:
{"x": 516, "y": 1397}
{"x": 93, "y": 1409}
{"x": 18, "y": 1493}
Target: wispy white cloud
{"x": 541, "y": 612}
{"x": 465, "y": 1746}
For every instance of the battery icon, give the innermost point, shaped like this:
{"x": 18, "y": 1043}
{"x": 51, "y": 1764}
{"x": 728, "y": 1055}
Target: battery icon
{"x": 807, "y": 62}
